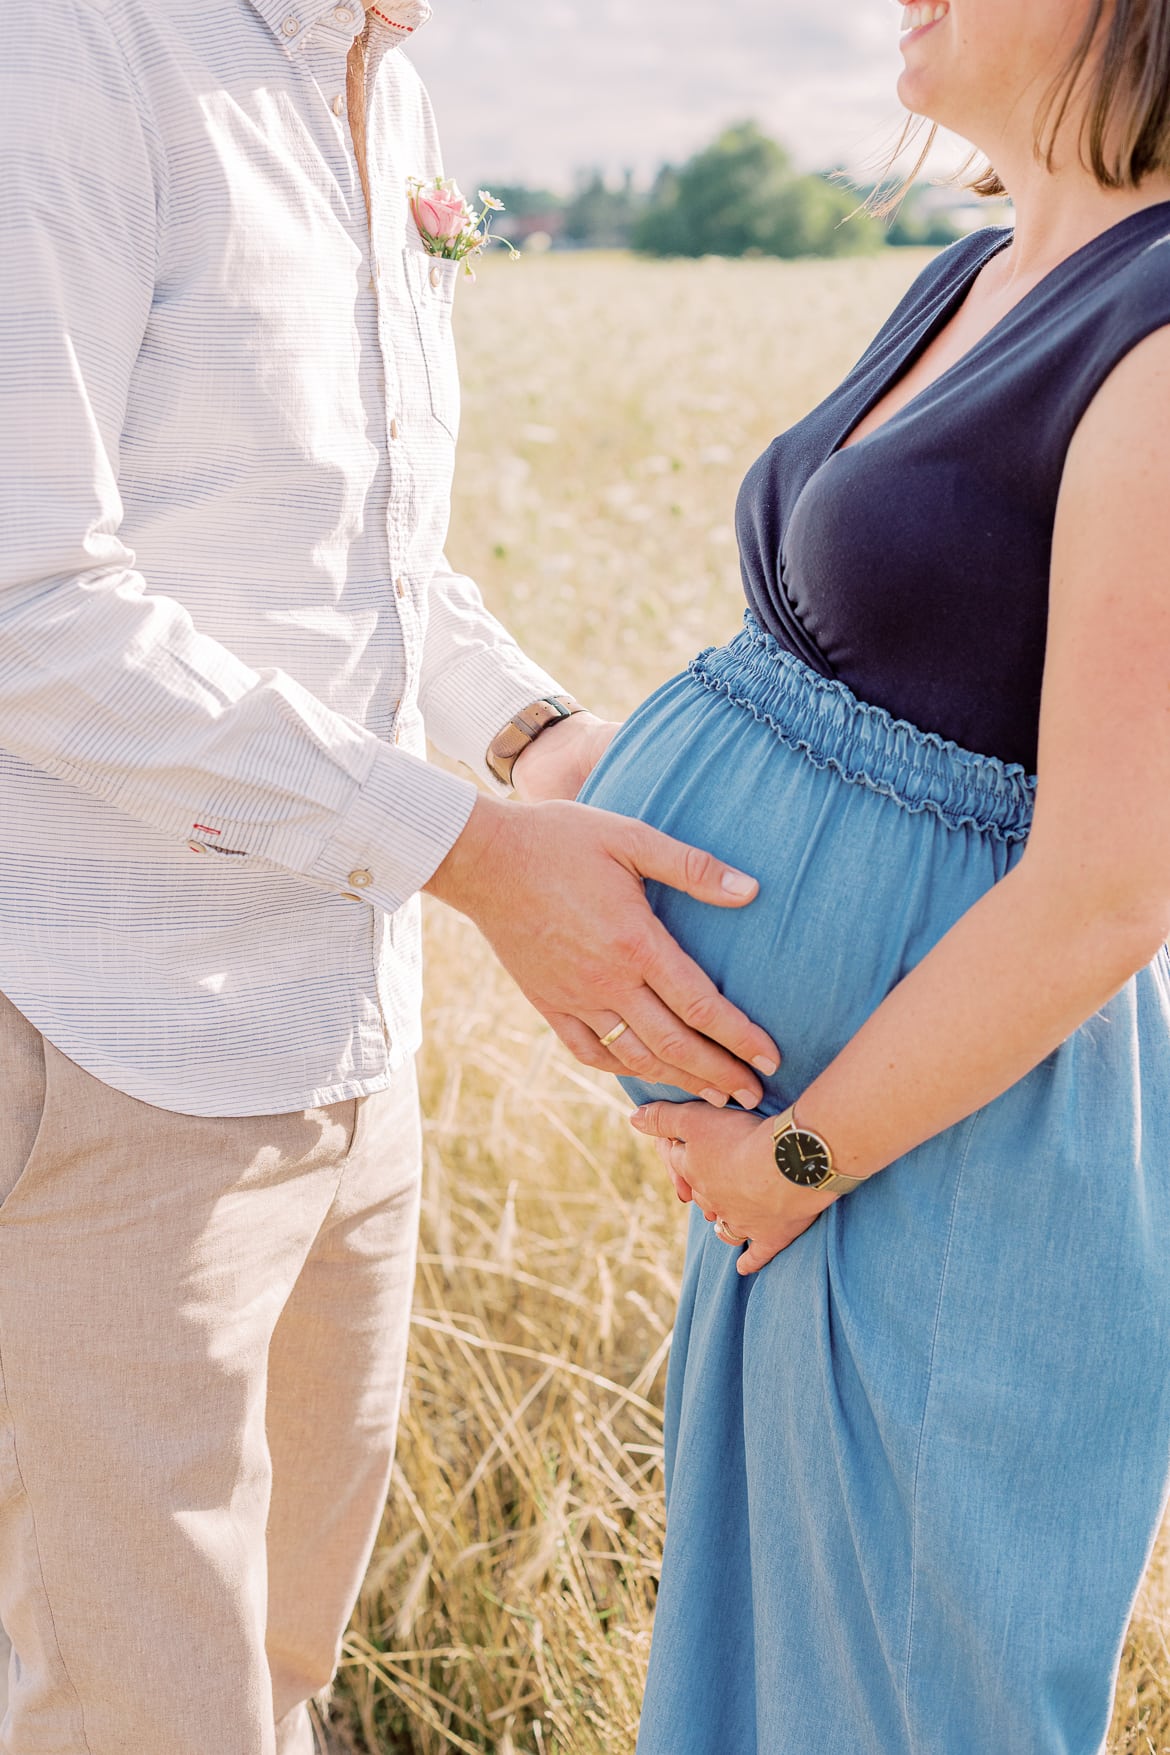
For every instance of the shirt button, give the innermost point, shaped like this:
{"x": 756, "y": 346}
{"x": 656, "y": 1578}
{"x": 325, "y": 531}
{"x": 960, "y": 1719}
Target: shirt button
{"x": 360, "y": 879}
{"x": 291, "y": 26}
{"x": 338, "y": 105}
{"x": 196, "y": 847}
{"x": 400, "y": 585}
{"x": 343, "y": 15}
{"x": 436, "y": 276}
{"x": 348, "y": 896}
{"x": 395, "y": 429}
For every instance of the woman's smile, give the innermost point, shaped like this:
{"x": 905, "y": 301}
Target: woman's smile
{"x": 918, "y": 19}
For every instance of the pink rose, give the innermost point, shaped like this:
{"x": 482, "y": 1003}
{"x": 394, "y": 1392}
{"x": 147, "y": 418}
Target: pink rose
{"x": 440, "y": 213}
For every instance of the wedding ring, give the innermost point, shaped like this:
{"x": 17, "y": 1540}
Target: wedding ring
{"x": 726, "y": 1235}
{"x": 608, "y": 1041}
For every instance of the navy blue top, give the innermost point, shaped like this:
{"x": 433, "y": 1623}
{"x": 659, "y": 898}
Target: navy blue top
{"x": 914, "y": 565}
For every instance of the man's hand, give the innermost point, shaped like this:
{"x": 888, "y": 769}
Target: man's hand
{"x": 558, "y": 762}
{"x": 557, "y": 890}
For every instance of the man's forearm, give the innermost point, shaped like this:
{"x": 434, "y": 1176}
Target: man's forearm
{"x": 118, "y": 693}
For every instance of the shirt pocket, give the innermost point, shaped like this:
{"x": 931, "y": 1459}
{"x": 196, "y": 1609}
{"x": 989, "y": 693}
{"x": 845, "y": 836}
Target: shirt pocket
{"x": 431, "y": 281}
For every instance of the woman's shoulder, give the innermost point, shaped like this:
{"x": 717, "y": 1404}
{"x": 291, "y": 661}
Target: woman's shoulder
{"x": 1138, "y": 288}
{"x": 1117, "y": 283}
{"x": 1119, "y": 297}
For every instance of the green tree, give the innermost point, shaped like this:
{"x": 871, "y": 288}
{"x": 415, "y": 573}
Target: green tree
{"x": 718, "y": 204}
{"x": 599, "y": 216}
{"x": 741, "y": 197}
{"x": 814, "y": 217}
{"x": 519, "y": 200}
{"x": 913, "y": 224}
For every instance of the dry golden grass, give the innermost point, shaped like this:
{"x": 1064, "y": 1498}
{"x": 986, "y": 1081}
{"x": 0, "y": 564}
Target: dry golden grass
{"x": 612, "y": 408}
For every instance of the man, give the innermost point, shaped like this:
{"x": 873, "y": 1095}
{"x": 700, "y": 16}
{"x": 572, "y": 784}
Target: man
{"x": 227, "y": 413}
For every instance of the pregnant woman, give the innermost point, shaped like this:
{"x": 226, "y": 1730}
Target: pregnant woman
{"x": 918, "y": 1427}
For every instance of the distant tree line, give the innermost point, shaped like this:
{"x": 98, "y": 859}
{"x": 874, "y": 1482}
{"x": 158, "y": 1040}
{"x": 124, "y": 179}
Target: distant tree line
{"x": 740, "y": 196}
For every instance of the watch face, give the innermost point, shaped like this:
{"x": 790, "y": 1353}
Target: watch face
{"x": 803, "y": 1158}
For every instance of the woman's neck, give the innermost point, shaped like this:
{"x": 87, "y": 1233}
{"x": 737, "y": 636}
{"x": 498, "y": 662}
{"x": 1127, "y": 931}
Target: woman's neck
{"x": 1058, "y": 211}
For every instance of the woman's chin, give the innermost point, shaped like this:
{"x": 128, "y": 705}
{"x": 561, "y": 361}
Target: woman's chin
{"x": 918, "y": 93}
{"x": 908, "y": 92}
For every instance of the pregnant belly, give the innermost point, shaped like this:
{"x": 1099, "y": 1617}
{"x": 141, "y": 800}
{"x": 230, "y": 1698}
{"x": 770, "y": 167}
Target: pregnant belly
{"x": 855, "y": 887}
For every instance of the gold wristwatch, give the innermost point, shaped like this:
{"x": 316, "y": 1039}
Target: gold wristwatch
{"x": 524, "y": 729}
{"x": 806, "y": 1160}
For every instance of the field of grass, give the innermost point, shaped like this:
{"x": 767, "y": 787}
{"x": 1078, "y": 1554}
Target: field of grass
{"x": 611, "y": 409}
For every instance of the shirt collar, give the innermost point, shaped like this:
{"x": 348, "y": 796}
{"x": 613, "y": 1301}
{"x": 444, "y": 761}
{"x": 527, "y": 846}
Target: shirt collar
{"x": 292, "y": 21}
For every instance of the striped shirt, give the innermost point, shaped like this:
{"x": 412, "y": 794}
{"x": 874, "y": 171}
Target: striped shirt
{"x": 228, "y": 408}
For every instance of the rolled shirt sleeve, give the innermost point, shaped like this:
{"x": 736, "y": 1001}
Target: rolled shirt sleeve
{"x": 104, "y": 684}
{"x": 475, "y": 677}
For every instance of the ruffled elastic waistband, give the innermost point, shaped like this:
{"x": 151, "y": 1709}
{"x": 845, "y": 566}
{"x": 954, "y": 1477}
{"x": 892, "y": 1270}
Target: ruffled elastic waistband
{"x": 865, "y": 744}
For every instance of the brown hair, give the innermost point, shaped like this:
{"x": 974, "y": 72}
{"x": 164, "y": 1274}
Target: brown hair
{"x": 1125, "y": 135}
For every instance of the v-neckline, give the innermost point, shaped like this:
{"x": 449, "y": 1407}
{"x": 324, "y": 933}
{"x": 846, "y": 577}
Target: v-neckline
{"x": 950, "y": 308}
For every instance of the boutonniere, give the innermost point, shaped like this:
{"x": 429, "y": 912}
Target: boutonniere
{"x": 448, "y": 224}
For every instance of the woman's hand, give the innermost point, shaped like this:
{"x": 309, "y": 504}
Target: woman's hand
{"x": 558, "y": 762}
{"x": 723, "y": 1160}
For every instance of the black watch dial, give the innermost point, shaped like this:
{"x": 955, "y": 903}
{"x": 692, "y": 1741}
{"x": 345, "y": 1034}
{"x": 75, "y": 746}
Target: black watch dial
{"x": 803, "y": 1158}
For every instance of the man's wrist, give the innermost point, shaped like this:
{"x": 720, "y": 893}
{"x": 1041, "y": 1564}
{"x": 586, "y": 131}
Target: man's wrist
{"x": 469, "y": 868}
{"x": 523, "y": 729}
{"x": 562, "y": 758}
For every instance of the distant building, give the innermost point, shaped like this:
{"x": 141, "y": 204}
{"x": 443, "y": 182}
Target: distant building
{"x": 965, "y": 210}
{"x": 519, "y": 227}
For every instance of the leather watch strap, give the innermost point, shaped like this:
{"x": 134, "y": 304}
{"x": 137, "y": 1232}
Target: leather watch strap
{"x": 523, "y": 729}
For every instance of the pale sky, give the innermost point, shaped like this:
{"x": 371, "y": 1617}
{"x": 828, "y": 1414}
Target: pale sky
{"x": 530, "y": 90}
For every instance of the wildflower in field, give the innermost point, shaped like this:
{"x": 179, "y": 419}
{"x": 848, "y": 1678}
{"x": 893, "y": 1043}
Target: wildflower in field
{"x": 449, "y": 226}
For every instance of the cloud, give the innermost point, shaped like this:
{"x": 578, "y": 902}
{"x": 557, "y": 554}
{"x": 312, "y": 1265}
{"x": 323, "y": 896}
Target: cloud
{"x": 532, "y": 90}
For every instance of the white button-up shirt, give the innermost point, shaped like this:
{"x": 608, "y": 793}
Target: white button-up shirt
{"x": 227, "y": 425}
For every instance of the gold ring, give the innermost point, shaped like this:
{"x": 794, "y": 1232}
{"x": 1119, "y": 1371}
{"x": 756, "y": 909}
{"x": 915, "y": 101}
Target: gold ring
{"x": 726, "y": 1235}
{"x": 608, "y": 1041}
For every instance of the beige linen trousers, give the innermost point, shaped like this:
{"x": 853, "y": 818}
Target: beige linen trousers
{"x": 203, "y": 1329}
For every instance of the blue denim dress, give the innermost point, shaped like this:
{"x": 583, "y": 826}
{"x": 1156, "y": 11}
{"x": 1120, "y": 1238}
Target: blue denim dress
{"x": 916, "y": 1465}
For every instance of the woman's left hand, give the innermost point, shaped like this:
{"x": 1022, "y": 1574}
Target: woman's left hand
{"x": 723, "y": 1160}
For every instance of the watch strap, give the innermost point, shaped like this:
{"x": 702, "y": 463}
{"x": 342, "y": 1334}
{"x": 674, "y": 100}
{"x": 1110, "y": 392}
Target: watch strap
{"x": 839, "y": 1183}
{"x": 836, "y": 1182}
{"x": 524, "y": 728}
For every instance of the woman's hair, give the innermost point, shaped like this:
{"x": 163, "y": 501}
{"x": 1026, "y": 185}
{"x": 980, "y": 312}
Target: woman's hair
{"x": 1125, "y": 81}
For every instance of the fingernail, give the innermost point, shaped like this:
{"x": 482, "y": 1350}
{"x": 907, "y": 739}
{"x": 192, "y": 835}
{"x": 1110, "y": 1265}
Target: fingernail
{"x": 745, "y": 1099}
{"x": 717, "y": 1099}
{"x": 763, "y": 1065}
{"x": 737, "y": 883}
